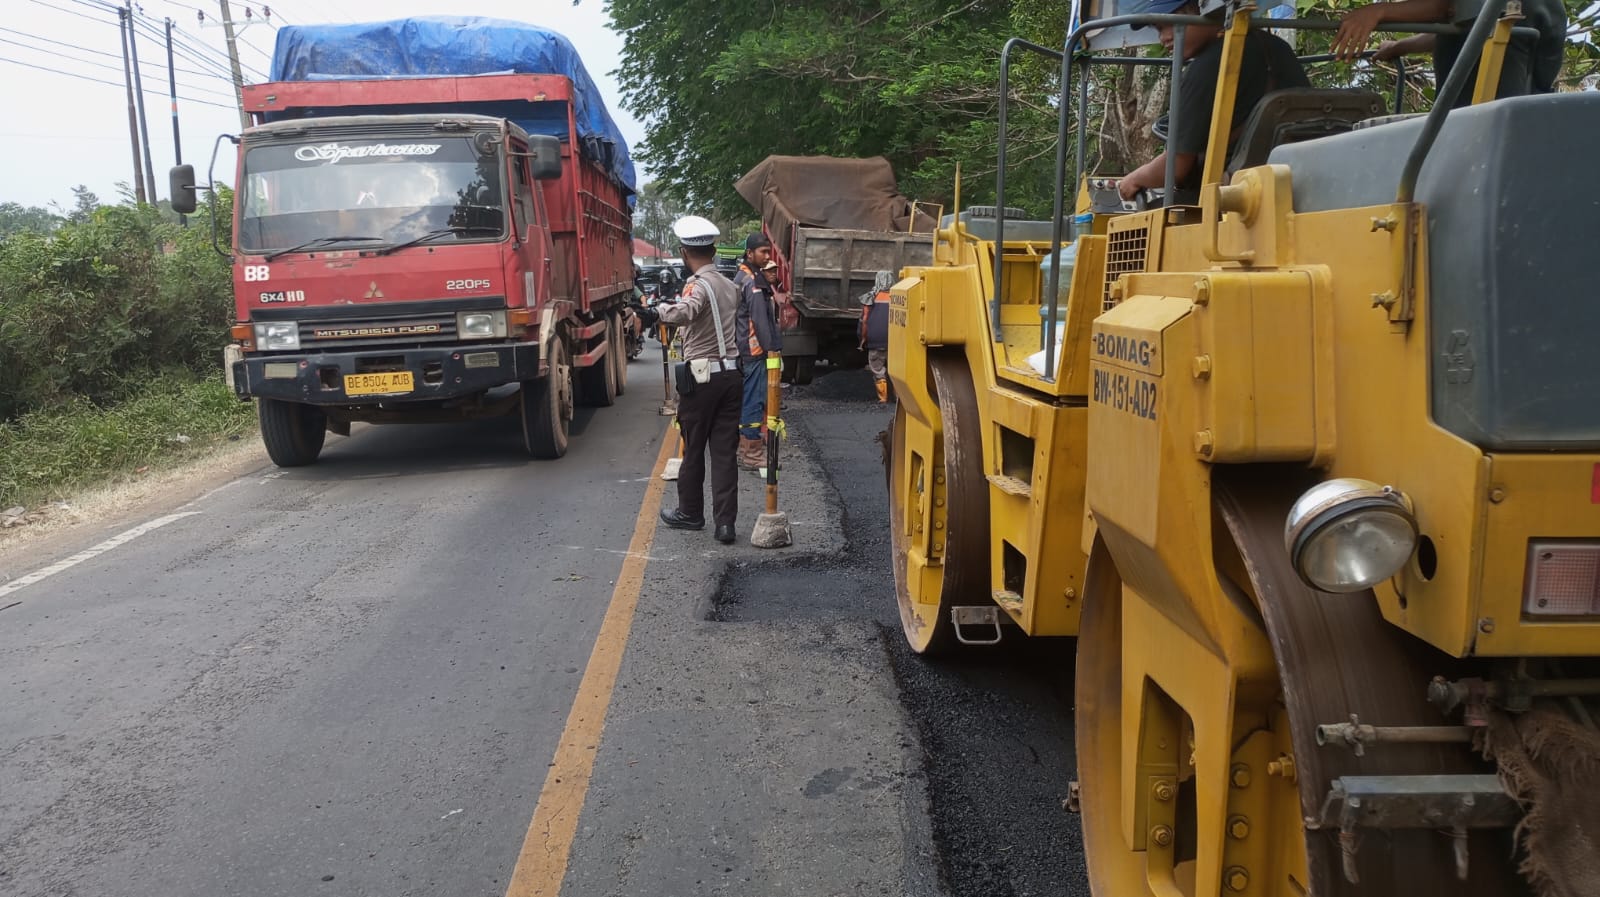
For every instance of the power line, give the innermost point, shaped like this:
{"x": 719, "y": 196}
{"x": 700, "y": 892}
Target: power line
{"x": 184, "y": 49}
{"x": 188, "y": 51}
{"x": 222, "y": 55}
{"x": 213, "y": 58}
{"x": 196, "y": 45}
{"x": 117, "y": 84}
{"x": 147, "y": 65}
{"x": 329, "y": 10}
{"x": 118, "y": 68}
{"x": 71, "y": 12}
{"x": 255, "y": 48}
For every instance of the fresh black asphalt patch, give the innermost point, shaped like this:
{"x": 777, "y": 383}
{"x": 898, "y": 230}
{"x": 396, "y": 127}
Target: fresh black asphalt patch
{"x": 993, "y": 731}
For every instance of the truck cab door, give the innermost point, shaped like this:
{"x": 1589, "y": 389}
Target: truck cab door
{"x": 528, "y": 210}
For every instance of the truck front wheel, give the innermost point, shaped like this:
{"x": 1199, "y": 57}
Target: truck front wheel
{"x": 293, "y": 433}
{"x": 547, "y": 406}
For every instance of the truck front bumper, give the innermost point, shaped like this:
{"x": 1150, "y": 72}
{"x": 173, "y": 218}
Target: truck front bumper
{"x": 436, "y": 373}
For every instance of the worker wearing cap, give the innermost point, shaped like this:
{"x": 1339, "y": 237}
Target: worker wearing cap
{"x": 1268, "y": 64}
{"x": 759, "y": 334}
{"x": 708, "y": 405}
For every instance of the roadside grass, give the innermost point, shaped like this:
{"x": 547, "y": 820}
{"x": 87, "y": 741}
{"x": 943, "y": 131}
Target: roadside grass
{"x": 46, "y": 454}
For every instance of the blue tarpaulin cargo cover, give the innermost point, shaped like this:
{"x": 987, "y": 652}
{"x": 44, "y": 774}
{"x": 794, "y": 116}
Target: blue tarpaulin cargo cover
{"x": 450, "y": 45}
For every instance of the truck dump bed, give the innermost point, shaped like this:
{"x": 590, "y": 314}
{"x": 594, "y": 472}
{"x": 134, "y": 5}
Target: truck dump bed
{"x": 830, "y": 269}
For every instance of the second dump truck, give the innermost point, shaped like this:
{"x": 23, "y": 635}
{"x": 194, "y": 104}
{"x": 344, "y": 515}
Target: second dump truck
{"x": 835, "y": 223}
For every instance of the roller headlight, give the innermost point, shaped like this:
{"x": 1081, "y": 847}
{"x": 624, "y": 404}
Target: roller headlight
{"x": 481, "y": 324}
{"x": 1348, "y": 535}
{"x": 277, "y": 335}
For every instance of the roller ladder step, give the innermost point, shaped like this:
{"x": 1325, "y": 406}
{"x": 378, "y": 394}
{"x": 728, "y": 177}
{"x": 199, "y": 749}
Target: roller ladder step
{"x": 1010, "y": 485}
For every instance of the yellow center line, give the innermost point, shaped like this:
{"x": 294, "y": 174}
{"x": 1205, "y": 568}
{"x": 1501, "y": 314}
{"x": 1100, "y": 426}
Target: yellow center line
{"x": 542, "y": 862}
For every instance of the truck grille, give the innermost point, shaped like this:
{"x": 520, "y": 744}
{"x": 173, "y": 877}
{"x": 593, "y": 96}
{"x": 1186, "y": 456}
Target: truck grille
{"x": 1125, "y": 253}
{"x": 386, "y": 330}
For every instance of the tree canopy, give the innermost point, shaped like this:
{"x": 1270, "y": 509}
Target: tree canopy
{"x": 728, "y": 85}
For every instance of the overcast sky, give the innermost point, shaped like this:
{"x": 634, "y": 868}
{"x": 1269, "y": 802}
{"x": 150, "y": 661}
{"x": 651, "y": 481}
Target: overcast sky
{"x": 60, "y": 130}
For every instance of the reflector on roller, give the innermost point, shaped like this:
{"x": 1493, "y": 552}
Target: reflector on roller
{"x": 1563, "y": 578}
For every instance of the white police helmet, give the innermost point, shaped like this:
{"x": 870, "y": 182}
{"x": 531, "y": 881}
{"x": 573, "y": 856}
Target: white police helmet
{"x": 692, "y": 230}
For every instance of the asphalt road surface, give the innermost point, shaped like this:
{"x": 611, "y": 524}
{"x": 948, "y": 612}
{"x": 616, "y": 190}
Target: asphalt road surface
{"x": 429, "y": 666}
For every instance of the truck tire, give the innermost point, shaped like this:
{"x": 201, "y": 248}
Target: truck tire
{"x": 598, "y": 382}
{"x": 293, "y": 433}
{"x": 805, "y": 369}
{"x": 546, "y": 405}
{"x": 618, "y": 352}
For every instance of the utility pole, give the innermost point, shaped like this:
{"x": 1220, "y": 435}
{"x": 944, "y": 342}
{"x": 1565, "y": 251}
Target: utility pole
{"x": 172, "y": 87}
{"x": 233, "y": 60}
{"x": 138, "y": 92}
{"x": 133, "y": 116}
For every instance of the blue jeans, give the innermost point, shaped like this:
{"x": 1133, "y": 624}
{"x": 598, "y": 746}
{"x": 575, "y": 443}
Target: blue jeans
{"x": 753, "y": 411}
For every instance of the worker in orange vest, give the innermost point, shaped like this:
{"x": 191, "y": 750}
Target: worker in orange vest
{"x": 875, "y": 332}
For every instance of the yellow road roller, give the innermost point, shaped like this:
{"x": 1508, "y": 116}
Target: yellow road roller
{"x": 1308, "y": 463}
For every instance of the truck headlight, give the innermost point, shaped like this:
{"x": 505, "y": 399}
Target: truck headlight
{"x": 273, "y": 335}
{"x": 1348, "y": 535}
{"x": 481, "y": 324}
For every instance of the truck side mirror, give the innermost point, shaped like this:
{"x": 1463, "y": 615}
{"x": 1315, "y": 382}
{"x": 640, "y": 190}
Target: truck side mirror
{"x": 181, "y": 183}
{"x": 544, "y": 156}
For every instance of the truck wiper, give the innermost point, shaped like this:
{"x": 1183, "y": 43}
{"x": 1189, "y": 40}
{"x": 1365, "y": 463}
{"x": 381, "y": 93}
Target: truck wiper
{"x": 312, "y": 244}
{"x": 439, "y": 232}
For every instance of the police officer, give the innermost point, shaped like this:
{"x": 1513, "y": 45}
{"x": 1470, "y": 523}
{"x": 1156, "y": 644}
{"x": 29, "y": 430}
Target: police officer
{"x": 708, "y": 404}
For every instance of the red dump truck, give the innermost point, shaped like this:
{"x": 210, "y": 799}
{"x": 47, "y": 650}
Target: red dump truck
{"x": 415, "y": 242}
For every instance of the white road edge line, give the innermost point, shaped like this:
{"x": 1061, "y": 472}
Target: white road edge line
{"x": 91, "y": 553}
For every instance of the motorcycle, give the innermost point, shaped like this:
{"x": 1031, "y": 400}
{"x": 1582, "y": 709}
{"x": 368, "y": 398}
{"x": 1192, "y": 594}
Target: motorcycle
{"x": 632, "y": 332}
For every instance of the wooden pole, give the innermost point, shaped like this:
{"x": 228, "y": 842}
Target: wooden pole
{"x": 774, "y": 427}
{"x": 124, "y": 18}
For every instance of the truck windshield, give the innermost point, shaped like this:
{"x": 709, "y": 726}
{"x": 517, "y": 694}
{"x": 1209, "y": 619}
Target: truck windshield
{"x": 390, "y": 190}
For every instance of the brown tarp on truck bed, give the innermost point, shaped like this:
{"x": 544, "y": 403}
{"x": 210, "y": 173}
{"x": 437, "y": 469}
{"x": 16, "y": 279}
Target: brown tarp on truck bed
{"x": 824, "y": 191}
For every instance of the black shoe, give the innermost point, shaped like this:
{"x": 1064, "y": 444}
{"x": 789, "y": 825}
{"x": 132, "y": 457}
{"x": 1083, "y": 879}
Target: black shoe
{"x": 725, "y": 534}
{"x": 679, "y": 520}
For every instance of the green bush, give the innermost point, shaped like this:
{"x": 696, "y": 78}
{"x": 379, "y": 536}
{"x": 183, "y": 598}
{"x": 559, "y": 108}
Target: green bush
{"x": 99, "y": 306}
{"x": 78, "y": 443}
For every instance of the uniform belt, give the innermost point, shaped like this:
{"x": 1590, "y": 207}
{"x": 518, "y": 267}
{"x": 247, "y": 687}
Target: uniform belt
{"x": 721, "y": 364}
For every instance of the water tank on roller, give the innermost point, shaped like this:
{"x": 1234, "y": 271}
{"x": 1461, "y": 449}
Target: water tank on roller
{"x": 1066, "y": 257}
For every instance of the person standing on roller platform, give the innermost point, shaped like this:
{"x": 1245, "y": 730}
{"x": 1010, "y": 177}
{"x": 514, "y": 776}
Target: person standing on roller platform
{"x": 759, "y": 334}
{"x": 709, "y": 382}
{"x": 875, "y": 332}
